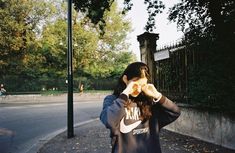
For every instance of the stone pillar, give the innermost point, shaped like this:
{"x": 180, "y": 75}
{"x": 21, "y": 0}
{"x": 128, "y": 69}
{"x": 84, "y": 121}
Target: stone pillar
{"x": 148, "y": 46}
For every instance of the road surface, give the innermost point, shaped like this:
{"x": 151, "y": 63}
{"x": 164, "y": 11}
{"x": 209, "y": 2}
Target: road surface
{"x": 22, "y": 126}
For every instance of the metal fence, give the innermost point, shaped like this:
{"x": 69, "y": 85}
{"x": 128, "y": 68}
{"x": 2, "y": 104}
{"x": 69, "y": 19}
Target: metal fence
{"x": 190, "y": 75}
{"x": 14, "y": 84}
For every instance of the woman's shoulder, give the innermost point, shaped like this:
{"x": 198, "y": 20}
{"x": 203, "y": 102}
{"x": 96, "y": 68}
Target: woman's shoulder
{"x": 111, "y": 96}
{"x": 108, "y": 100}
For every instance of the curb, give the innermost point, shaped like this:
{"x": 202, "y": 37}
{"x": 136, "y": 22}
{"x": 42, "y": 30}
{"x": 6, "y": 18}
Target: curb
{"x": 45, "y": 98}
{"x": 35, "y": 147}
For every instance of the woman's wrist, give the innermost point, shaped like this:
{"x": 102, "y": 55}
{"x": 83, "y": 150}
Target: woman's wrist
{"x": 157, "y": 97}
{"x": 126, "y": 92}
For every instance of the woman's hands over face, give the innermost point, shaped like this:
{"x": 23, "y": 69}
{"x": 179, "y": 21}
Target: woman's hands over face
{"x": 151, "y": 91}
{"x": 137, "y": 85}
{"x": 134, "y": 89}
{"x": 134, "y": 86}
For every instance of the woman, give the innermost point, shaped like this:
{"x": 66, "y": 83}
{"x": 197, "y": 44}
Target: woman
{"x": 136, "y": 111}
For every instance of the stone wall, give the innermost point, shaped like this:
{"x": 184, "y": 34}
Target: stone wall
{"x": 213, "y": 127}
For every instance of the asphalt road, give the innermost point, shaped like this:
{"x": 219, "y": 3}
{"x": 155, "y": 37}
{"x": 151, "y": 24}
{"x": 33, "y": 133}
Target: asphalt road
{"x": 26, "y": 125}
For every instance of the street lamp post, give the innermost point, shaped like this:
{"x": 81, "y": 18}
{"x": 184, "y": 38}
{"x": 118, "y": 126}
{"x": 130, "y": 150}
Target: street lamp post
{"x": 70, "y": 130}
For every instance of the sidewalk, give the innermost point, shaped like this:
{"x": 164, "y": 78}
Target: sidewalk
{"x": 94, "y": 138}
{"x": 36, "y": 99}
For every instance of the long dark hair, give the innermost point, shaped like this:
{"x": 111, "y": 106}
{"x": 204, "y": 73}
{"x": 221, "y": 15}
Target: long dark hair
{"x": 136, "y": 69}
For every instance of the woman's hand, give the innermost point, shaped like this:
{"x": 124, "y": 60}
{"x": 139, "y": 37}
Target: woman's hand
{"x": 132, "y": 88}
{"x": 151, "y": 91}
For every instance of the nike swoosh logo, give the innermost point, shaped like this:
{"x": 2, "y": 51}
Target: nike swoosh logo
{"x": 128, "y": 128}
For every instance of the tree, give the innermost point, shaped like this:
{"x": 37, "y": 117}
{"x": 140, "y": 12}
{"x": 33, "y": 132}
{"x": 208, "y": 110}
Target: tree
{"x": 95, "y": 10}
{"x": 212, "y": 18}
{"x": 19, "y": 24}
{"x": 91, "y": 52}
{"x": 112, "y": 45}
{"x": 33, "y": 43}
{"x": 199, "y": 15}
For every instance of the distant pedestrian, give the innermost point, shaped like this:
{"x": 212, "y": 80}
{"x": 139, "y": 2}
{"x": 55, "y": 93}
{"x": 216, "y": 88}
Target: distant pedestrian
{"x": 81, "y": 88}
{"x": 2, "y": 90}
{"x": 136, "y": 112}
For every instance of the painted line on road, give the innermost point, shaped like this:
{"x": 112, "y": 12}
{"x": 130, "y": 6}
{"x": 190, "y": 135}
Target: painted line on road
{"x": 35, "y": 147}
{"x": 85, "y": 122}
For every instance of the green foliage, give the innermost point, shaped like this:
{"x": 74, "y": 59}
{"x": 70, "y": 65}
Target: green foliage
{"x": 35, "y": 58}
{"x": 112, "y": 55}
{"x": 212, "y": 81}
{"x": 53, "y": 49}
{"x": 95, "y": 10}
{"x": 208, "y": 18}
{"x": 19, "y": 24}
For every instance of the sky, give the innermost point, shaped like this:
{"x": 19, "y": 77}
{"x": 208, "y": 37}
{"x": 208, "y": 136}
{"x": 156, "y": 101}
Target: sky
{"x": 167, "y": 30}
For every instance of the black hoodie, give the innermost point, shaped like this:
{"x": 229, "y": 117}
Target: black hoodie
{"x": 128, "y": 133}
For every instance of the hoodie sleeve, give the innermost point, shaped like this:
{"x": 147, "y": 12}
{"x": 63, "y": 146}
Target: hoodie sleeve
{"x": 113, "y": 111}
{"x": 165, "y": 111}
